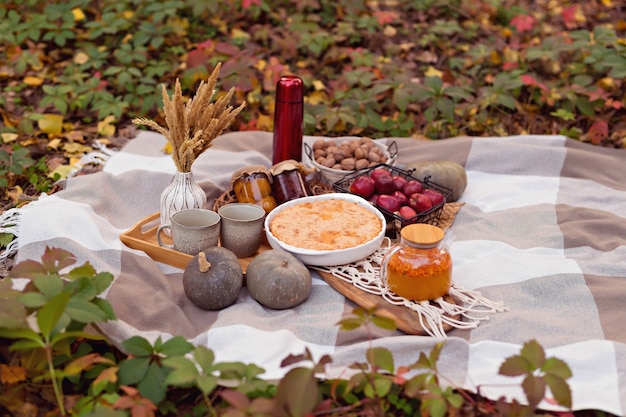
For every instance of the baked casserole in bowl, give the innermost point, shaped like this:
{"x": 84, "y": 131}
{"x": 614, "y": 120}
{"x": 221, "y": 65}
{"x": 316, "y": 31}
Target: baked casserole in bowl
{"x": 327, "y": 229}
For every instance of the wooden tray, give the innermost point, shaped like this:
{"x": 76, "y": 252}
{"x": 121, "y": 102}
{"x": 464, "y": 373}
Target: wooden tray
{"x": 142, "y": 236}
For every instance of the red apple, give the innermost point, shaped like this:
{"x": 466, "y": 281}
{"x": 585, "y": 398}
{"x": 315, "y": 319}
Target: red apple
{"x": 401, "y": 197}
{"x": 435, "y": 196}
{"x": 399, "y": 182}
{"x": 412, "y": 187}
{"x": 388, "y": 203}
{"x": 420, "y": 203}
{"x": 373, "y": 198}
{"x": 363, "y": 186}
{"x": 406, "y": 212}
{"x": 384, "y": 184}
{"x": 379, "y": 172}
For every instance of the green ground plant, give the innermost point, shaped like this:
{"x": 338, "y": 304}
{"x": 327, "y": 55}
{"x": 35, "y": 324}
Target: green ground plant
{"x": 51, "y": 350}
{"x": 78, "y": 71}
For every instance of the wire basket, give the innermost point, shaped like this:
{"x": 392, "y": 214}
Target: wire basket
{"x": 430, "y": 216}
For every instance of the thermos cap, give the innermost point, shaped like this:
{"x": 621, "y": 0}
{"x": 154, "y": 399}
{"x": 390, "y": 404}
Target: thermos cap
{"x": 290, "y": 89}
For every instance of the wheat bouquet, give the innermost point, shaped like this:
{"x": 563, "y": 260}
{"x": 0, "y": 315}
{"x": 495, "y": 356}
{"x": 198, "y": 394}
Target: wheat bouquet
{"x": 192, "y": 125}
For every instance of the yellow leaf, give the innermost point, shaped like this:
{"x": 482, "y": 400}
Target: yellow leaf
{"x": 607, "y": 83}
{"x": 260, "y": 64}
{"x": 62, "y": 170}
{"x": 72, "y": 148}
{"x": 54, "y": 143}
{"x": 390, "y": 31}
{"x": 579, "y": 15}
{"x": 106, "y": 127}
{"x": 33, "y": 81}
{"x": 81, "y": 58}
{"x": 8, "y": 137}
{"x": 167, "y": 148}
{"x": 11, "y": 374}
{"x": 318, "y": 85}
{"x": 15, "y": 193}
{"x": 179, "y": 25}
{"x": 607, "y": 3}
{"x": 495, "y": 57}
{"x": 265, "y": 123}
{"x": 239, "y": 34}
{"x": 51, "y": 124}
{"x": 316, "y": 97}
{"x": 78, "y": 14}
{"x": 127, "y": 14}
{"x": 433, "y": 72}
{"x": 127, "y": 38}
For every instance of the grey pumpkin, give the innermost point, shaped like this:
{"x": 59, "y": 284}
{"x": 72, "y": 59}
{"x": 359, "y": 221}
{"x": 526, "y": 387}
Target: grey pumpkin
{"x": 213, "y": 279}
{"x": 278, "y": 280}
{"x": 450, "y": 174}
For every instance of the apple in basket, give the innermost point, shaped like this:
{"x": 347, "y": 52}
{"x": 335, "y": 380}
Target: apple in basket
{"x": 420, "y": 202}
{"x": 435, "y": 197}
{"x": 363, "y": 186}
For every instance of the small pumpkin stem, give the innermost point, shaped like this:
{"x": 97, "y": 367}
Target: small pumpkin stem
{"x": 284, "y": 263}
{"x": 203, "y": 264}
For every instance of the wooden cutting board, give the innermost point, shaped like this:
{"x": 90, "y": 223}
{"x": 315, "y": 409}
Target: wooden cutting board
{"x": 142, "y": 236}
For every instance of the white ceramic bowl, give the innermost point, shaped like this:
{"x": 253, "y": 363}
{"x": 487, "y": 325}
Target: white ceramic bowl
{"x": 333, "y": 175}
{"x": 328, "y": 257}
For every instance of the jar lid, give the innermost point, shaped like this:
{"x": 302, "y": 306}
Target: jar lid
{"x": 283, "y": 166}
{"x": 422, "y": 234}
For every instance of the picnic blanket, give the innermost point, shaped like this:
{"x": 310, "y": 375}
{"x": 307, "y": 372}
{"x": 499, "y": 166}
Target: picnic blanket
{"x": 542, "y": 230}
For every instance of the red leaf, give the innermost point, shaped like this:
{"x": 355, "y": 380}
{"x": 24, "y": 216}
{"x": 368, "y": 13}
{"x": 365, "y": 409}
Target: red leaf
{"x": 196, "y": 58}
{"x": 507, "y": 66}
{"x": 247, "y": 3}
{"x": 598, "y": 132}
{"x": 523, "y": 23}
{"x": 532, "y": 81}
{"x": 569, "y": 15}
{"x": 385, "y": 17}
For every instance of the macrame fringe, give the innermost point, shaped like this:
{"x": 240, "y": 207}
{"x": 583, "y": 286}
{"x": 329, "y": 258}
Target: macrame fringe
{"x": 467, "y": 311}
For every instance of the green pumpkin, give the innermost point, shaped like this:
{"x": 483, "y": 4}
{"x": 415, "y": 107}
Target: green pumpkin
{"x": 278, "y": 280}
{"x": 450, "y": 174}
{"x": 213, "y": 279}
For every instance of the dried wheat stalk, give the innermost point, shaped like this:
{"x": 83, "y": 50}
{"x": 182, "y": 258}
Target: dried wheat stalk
{"x": 192, "y": 126}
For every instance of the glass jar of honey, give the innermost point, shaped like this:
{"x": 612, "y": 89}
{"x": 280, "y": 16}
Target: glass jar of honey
{"x": 419, "y": 267}
{"x": 255, "y": 188}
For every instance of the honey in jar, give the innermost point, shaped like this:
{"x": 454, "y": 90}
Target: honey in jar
{"x": 255, "y": 188}
{"x": 419, "y": 267}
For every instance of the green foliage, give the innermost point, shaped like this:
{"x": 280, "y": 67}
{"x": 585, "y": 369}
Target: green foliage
{"x": 17, "y": 168}
{"x": 539, "y": 372}
{"x": 173, "y": 375}
{"x": 386, "y": 68}
{"x": 62, "y": 304}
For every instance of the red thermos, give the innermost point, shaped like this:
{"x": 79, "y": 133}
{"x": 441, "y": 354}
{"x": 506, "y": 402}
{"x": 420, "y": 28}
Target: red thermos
{"x": 288, "y": 116}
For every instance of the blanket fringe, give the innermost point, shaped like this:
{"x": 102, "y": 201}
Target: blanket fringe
{"x": 466, "y": 311}
{"x": 95, "y": 158}
{"x": 10, "y": 223}
{"x": 10, "y": 219}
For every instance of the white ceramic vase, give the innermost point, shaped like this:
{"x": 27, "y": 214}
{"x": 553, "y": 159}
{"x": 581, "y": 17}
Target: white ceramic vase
{"x": 181, "y": 194}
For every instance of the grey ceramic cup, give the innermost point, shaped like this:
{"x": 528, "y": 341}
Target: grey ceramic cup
{"x": 242, "y": 228}
{"x": 193, "y": 230}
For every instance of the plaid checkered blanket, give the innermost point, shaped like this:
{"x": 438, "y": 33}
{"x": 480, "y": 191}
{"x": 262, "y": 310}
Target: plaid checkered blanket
{"x": 543, "y": 230}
